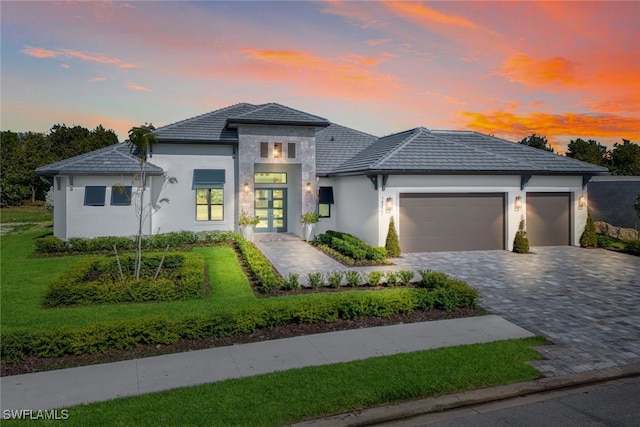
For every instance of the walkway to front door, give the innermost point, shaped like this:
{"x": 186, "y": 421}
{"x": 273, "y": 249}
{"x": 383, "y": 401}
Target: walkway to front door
{"x": 271, "y": 208}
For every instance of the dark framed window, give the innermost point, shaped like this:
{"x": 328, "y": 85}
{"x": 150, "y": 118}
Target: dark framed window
{"x": 209, "y": 204}
{"x": 264, "y": 149}
{"x": 94, "y": 195}
{"x": 325, "y": 200}
{"x": 270, "y": 177}
{"x": 121, "y": 195}
{"x": 291, "y": 150}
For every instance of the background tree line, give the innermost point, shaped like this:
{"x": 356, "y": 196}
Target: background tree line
{"x": 623, "y": 159}
{"x": 21, "y": 153}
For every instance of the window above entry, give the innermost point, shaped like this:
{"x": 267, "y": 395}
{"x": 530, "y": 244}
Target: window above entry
{"x": 270, "y": 178}
{"x": 208, "y": 178}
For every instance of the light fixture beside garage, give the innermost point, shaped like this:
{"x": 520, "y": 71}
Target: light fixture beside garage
{"x": 581, "y": 202}
{"x": 518, "y": 204}
{"x": 308, "y": 188}
{"x": 388, "y": 204}
{"x": 246, "y": 188}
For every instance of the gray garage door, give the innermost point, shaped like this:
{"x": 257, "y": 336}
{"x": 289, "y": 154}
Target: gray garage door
{"x": 451, "y": 222}
{"x": 548, "y": 219}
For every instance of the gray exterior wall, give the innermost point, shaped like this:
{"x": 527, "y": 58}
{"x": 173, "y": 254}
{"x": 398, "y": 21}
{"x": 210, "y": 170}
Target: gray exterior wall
{"x": 611, "y": 200}
{"x": 249, "y": 139}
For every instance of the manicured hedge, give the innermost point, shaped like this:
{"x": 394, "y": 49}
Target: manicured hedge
{"x": 179, "y": 239}
{"x": 127, "y": 334}
{"x": 260, "y": 267}
{"x": 355, "y": 250}
{"x": 97, "y": 281}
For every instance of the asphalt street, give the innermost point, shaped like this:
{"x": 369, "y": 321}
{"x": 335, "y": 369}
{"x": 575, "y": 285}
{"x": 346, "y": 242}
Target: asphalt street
{"x": 613, "y": 403}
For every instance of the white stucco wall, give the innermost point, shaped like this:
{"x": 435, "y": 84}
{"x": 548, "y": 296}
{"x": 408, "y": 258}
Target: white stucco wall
{"x": 179, "y": 161}
{"x": 356, "y": 208}
{"x": 96, "y": 221}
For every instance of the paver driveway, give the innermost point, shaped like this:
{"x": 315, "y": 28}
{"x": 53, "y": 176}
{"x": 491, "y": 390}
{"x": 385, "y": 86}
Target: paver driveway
{"x": 587, "y": 301}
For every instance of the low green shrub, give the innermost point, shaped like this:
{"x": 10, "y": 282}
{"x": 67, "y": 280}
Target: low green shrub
{"x": 354, "y": 278}
{"x": 129, "y": 333}
{"x": 51, "y": 244}
{"x": 336, "y": 255}
{"x": 351, "y": 247}
{"x": 405, "y": 276}
{"x": 98, "y": 281}
{"x": 375, "y": 277}
{"x": 393, "y": 278}
{"x": 315, "y": 280}
{"x": 292, "y": 282}
{"x": 605, "y": 241}
{"x": 631, "y": 246}
{"x": 334, "y": 278}
{"x": 432, "y": 279}
{"x": 259, "y": 266}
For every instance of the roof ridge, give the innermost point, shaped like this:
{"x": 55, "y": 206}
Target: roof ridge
{"x": 528, "y": 147}
{"x": 275, "y": 104}
{"x": 170, "y": 125}
{"x": 347, "y": 127}
{"x": 402, "y": 144}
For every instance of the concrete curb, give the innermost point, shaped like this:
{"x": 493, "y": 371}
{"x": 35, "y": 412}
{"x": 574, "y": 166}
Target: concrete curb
{"x": 388, "y": 413}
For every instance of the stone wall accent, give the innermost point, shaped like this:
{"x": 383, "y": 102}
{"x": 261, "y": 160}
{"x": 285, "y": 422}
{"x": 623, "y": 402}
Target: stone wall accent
{"x": 616, "y": 232}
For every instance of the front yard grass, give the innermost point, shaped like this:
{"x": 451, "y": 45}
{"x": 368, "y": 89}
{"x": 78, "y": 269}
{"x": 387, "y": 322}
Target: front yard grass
{"x": 284, "y": 397}
{"x": 25, "y": 213}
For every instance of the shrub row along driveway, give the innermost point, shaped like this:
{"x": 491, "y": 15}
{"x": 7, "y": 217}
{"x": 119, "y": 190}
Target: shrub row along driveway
{"x": 587, "y": 301}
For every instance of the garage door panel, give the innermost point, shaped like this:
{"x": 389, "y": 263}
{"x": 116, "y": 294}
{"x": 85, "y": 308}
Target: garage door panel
{"x": 549, "y": 219}
{"x": 451, "y": 222}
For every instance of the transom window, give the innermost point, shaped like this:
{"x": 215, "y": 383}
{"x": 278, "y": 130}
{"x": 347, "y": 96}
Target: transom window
{"x": 270, "y": 178}
{"x": 209, "y": 204}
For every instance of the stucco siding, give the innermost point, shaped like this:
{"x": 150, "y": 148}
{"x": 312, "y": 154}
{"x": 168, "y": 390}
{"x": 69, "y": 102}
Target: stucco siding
{"x": 356, "y": 206}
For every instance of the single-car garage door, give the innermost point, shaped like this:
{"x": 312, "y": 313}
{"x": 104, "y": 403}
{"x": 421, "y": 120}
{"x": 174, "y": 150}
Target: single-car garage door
{"x": 451, "y": 222}
{"x": 548, "y": 219}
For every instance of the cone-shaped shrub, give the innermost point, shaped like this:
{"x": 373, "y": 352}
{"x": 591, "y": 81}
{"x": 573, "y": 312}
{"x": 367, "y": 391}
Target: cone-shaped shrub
{"x": 392, "y": 245}
{"x": 589, "y": 238}
{"x": 521, "y": 242}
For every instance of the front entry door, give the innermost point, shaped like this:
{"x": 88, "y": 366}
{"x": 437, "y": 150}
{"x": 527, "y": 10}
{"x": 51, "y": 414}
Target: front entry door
{"x": 271, "y": 208}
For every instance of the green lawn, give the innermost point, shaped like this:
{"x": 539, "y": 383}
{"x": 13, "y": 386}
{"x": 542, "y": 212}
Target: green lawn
{"x": 25, "y": 278}
{"x": 25, "y": 213}
{"x": 285, "y": 397}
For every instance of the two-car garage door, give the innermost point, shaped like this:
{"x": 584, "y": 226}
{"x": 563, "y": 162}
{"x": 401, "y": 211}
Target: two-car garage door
{"x": 451, "y": 222}
{"x": 432, "y": 222}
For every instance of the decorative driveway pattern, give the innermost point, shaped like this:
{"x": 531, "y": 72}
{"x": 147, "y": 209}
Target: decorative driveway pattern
{"x": 586, "y": 301}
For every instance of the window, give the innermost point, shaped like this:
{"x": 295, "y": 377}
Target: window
{"x": 270, "y": 178}
{"x": 121, "y": 195}
{"x": 291, "y": 152}
{"x": 325, "y": 200}
{"x": 209, "y": 204}
{"x": 264, "y": 149}
{"x": 277, "y": 150}
{"x": 94, "y": 195}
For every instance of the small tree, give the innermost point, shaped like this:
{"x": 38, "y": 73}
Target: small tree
{"x": 589, "y": 238}
{"x": 392, "y": 244}
{"x": 521, "y": 242}
{"x": 49, "y": 199}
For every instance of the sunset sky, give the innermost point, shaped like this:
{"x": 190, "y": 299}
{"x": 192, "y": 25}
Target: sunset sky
{"x": 560, "y": 69}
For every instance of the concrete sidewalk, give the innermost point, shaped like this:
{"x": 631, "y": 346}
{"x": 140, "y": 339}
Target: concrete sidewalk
{"x": 67, "y": 387}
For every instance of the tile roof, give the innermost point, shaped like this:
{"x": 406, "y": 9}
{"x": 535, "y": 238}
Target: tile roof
{"x": 112, "y": 160}
{"x": 423, "y": 151}
{"x": 209, "y": 127}
{"x": 273, "y": 113}
{"x": 335, "y": 144}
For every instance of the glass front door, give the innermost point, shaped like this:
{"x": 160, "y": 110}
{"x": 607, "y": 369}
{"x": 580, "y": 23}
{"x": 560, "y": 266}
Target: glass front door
{"x": 271, "y": 208}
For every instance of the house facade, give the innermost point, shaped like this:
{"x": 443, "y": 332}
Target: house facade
{"x": 446, "y": 190}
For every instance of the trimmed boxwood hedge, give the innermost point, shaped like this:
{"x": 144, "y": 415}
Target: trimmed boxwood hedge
{"x": 260, "y": 267}
{"x": 97, "y": 281}
{"x": 129, "y": 333}
{"x": 351, "y": 250}
{"x": 179, "y": 239}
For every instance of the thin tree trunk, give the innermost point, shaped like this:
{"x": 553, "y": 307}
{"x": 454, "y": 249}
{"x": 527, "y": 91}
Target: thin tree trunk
{"x": 140, "y": 223}
{"x": 160, "y": 265}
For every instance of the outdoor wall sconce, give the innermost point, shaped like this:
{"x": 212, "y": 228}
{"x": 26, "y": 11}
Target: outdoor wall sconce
{"x": 246, "y": 188}
{"x": 308, "y": 188}
{"x": 581, "y": 202}
{"x": 518, "y": 204}
{"x": 388, "y": 204}
{"x": 277, "y": 150}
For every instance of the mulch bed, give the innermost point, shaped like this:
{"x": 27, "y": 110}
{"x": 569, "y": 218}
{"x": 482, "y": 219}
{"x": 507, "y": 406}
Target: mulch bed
{"x": 36, "y": 364}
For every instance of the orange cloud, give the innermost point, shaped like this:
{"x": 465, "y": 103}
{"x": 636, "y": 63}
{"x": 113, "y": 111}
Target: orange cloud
{"x": 554, "y": 126}
{"x": 377, "y": 42}
{"x": 97, "y": 79}
{"x": 423, "y": 14}
{"x": 41, "y": 53}
{"x": 536, "y": 72}
{"x": 134, "y": 86}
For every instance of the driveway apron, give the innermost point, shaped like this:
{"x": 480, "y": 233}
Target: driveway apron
{"x": 585, "y": 301}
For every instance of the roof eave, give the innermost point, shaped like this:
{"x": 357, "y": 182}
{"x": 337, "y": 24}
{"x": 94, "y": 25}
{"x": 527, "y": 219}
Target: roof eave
{"x": 84, "y": 173}
{"x": 460, "y": 172}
